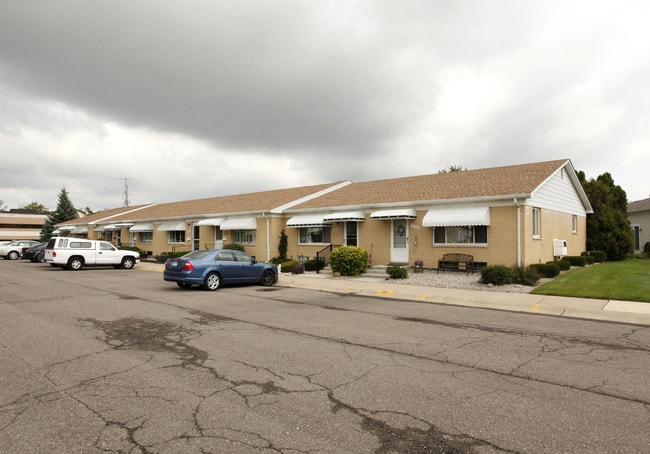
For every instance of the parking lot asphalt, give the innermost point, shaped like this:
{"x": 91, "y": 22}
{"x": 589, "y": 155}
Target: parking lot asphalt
{"x": 593, "y": 309}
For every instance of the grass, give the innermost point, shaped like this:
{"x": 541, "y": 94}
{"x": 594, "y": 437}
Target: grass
{"x": 626, "y": 280}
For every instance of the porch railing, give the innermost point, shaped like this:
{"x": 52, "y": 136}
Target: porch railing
{"x": 323, "y": 256}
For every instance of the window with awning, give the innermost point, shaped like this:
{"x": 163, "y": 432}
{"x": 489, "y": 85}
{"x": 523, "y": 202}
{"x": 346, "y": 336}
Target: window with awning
{"x": 457, "y": 216}
{"x": 402, "y": 213}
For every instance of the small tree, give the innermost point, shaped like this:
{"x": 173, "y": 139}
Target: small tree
{"x": 65, "y": 211}
{"x": 283, "y": 246}
{"x": 452, "y": 168}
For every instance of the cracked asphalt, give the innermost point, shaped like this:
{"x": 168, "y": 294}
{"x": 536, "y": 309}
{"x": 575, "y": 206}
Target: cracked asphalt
{"x": 108, "y": 361}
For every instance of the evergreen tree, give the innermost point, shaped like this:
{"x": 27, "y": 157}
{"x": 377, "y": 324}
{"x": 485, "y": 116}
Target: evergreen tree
{"x": 65, "y": 211}
{"x": 608, "y": 228}
{"x": 283, "y": 246}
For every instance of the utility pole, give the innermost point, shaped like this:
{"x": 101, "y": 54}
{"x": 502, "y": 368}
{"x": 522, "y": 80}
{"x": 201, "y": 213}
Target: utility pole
{"x": 126, "y": 191}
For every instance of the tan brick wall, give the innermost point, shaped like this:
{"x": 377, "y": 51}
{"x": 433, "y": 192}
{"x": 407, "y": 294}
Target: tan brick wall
{"x": 554, "y": 225}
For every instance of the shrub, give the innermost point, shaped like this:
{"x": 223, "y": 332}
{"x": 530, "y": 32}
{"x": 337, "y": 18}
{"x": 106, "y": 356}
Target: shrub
{"x": 312, "y": 265}
{"x": 526, "y": 276}
{"x": 576, "y": 260}
{"x": 497, "y": 275}
{"x": 646, "y": 248}
{"x": 548, "y": 269}
{"x": 235, "y": 247}
{"x": 599, "y": 256}
{"x": 133, "y": 248}
{"x": 288, "y": 265}
{"x": 349, "y": 260}
{"x": 397, "y": 272}
{"x": 565, "y": 265}
{"x": 298, "y": 269}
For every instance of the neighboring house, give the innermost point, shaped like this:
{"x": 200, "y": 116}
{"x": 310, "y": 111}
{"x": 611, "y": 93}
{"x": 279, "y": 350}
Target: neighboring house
{"x": 639, "y": 216}
{"x": 513, "y": 215}
{"x": 21, "y": 225}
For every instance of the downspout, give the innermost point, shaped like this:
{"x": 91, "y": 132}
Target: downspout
{"x": 518, "y": 233}
{"x": 268, "y": 236}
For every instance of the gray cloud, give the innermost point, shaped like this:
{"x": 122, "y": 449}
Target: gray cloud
{"x": 207, "y": 98}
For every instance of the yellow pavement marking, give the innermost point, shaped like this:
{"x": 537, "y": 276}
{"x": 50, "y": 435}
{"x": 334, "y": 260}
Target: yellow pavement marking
{"x": 534, "y": 308}
{"x": 385, "y": 292}
{"x": 423, "y": 296}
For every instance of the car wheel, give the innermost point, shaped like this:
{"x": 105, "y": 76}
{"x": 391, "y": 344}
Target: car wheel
{"x": 128, "y": 263}
{"x": 212, "y": 282}
{"x": 13, "y": 255}
{"x": 183, "y": 284}
{"x": 40, "y": 257}
{"x": 75, "y": 263}
{"x": 267, "y": 278}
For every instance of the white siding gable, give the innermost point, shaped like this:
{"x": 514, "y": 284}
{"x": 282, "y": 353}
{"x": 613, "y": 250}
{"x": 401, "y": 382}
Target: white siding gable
{"x": 558, "y": 193}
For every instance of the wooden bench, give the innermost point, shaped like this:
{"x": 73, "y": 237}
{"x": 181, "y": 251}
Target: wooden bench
{"x": 459, "y": 262}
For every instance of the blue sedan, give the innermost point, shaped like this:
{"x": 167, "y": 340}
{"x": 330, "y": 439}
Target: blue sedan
{"x": 213, "y": 268}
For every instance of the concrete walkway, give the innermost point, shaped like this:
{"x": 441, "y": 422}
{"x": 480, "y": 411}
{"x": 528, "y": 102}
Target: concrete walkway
{"x": 594, "y": 309}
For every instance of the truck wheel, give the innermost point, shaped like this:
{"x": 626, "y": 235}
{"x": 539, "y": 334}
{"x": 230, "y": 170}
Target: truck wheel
{"x": 212, "y": 282}
{"x": 75, "y": 263}
{"x": 128, "y": 263}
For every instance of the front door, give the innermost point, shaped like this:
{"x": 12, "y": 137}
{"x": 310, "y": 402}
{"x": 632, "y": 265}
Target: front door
{"x": 399, "y": 250}
{"x": 351, "y": 234}
{"x": 196, "y": 240}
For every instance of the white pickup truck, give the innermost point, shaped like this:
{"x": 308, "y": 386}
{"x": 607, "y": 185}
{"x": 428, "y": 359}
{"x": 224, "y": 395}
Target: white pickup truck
{"x": 75, "y": 253}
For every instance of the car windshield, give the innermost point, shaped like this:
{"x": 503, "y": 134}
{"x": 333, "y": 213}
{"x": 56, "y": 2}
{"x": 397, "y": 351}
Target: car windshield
{"x": 196, "y": 254}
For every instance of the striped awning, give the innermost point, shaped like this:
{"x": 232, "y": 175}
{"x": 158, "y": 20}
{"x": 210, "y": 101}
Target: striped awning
{"x": 211, "y": 221}
{"x": 345, "y": 216}
{"x": 239, "y": 224}
{"x": 404, "y": 213}
{"x": 455, "y": 216}
{"x": 80, "y": 230}
{"x": 307, "y": 220}
{"x": 142, "y": 227}
{"x": 171, "y": 226}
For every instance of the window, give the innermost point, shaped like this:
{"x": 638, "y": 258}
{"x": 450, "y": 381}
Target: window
{"x": 537, "y": 223}
{"x": 145, "y": 237}
{"x": 218, "y": 234}
{"x": 574, "y": 223}
{"x": 472, "y": 234}
{"x": 176, "y": 236}
{"x": 108, "y": 235}
{"x": 80, "y": 244}
{"x": 244, "y": 236}
{"x": 310, "y": 235}
{"x": 106, "y": 246}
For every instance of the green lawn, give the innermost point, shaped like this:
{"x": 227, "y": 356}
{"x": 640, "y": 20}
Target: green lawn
{"x": 627, "y": 280}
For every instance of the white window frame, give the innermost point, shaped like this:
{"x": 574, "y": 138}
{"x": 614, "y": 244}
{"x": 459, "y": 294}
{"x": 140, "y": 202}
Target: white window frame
{"x": 244, "y": 236}
{"x": 449, "y": 238}
{"x": 176, "y": 237}
{"x": 574, "y": 223}
{"x": 537, "y": 223}
{"x": 145, "y": 237}
{"x": 304, "y": 233}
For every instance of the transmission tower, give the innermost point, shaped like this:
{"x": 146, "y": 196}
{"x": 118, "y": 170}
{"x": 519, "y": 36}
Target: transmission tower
{"x": 126, "y": 191}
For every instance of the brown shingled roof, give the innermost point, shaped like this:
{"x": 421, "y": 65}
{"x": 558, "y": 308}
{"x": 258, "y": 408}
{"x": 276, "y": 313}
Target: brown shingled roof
{"x": 492, "y": 182}
{"x": 102, "y": 215}
{"x": 231, "y": 204}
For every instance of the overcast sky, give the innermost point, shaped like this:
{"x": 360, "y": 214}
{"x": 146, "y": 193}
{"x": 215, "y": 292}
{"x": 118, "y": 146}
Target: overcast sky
{"x": 205, "y": 98}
